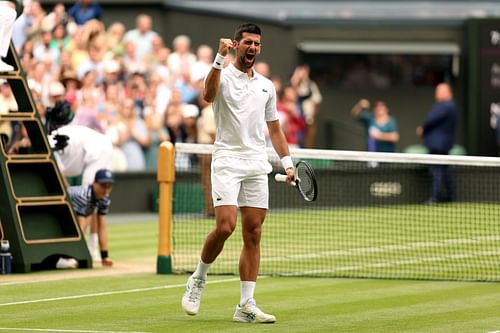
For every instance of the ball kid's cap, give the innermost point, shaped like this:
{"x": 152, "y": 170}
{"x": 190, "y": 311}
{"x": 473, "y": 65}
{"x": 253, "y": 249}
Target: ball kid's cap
{"x": 104, "y": 176}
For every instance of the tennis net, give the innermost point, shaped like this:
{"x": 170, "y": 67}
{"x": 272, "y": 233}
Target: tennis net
{"x": 372, "y": 218}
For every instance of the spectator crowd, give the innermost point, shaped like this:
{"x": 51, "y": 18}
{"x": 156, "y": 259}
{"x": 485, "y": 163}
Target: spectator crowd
{"x": 131, "y": 85}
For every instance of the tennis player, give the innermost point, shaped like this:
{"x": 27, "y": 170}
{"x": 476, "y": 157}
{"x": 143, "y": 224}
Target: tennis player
{"x": 243, "y": 102}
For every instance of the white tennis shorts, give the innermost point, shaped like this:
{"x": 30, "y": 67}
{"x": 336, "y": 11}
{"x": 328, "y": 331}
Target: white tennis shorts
{"x": 240, "y": 182}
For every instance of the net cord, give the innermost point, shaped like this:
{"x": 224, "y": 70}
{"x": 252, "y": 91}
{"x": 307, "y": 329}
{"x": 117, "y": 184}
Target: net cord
{"x": 361, "y": 156}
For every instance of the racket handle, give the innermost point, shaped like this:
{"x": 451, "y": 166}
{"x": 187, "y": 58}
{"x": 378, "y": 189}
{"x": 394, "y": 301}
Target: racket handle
{"x": 280, "y": 177}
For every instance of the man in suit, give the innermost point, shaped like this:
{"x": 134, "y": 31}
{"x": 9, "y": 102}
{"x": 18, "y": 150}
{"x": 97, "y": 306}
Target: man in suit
{"x": 438, "y": 132}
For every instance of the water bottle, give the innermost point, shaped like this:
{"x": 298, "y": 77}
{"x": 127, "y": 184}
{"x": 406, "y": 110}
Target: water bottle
{"x": 5, "y": 257}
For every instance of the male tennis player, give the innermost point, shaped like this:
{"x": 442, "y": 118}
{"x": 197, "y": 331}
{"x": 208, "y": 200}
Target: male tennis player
{"x": 243, "y": 101}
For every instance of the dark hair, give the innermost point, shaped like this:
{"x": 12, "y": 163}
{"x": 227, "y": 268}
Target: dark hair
{"x": 246, "y": 27}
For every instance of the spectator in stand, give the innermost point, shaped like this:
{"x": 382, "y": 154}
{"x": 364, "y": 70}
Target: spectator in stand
{"x": 28, "y": 63}
{"x": 142, "y": 36}
{"x": 86, "y": 113}
{"x": 60, "y": 38}
{"x": 21, "y": 25}
{"x": 189, "y": 89}
{"x": 205, "y": 57}
{"x": 112, "y": 72}
{"x": 72, "y": 85}
{"x": 160, "y": 66}
{"x": 181, "y": 119}
{"x": 291, "y": 120}
{"x": 380, "y": 127}
{"x": 182, "y": 58}
{"x": 136, "y": 90}
{"x": 57, "y": 93}
{"x": 310, "y": 98}
{"x": 114, "y": 36}
{"x": 84, "y": 11}
{"x": 21, "y": 142}
{"x": 263, "y": 68}
{"x": 110, "y": 107}
{"x": 160, "y": 92}
{"x": 43, "y": 50}
{"x": 94, "y": 63}
{"x": 77, "y": 48}
{"x": 131, "y": 63}
{"x": 135, "y": 137}
{"x": 39, "y": 80}
{"x": 89, "y": 97}
{"x": 157, "y": 45}
{"x": 158, "y": 133}
{"x": 34, "y": 29}
{"x": 174, "y": 123}
{"x": 58, "y": 16}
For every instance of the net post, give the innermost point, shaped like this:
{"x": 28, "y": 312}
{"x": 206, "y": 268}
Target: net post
{"x": 166, "y": 178}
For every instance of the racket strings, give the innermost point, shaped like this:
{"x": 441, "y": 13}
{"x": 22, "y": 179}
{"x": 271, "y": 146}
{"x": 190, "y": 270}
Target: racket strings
{"x": 305, "y": 181}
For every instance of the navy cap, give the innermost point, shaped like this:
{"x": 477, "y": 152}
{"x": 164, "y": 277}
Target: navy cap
{"x": 104, "y": 176}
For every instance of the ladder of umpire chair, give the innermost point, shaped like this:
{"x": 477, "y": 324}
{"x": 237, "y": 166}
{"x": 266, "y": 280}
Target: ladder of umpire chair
{"x": 36, "y": 216}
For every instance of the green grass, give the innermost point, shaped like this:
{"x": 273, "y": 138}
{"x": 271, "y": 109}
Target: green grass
{"x": 147, "y": 302}
{"x": 300, "y": 305}
{"x": 440, "y": 242}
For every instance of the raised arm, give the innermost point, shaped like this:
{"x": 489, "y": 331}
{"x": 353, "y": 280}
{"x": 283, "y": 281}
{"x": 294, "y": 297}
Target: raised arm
{"x": 211, "y": 88}
{"x": 361, "y": 105}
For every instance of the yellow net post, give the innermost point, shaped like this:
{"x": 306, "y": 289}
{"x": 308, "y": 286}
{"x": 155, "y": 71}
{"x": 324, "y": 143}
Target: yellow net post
{"x": 166, "y": 178}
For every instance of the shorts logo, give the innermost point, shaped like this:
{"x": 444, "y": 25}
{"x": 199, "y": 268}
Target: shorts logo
{"x": 218, "y": 199}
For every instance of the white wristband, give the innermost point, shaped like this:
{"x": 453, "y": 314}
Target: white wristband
{"x": 287, "y": 162}
{"x": 219, "y": 61}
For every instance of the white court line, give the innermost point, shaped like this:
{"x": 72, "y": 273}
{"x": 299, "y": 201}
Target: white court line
{"x": 387, "y": 248}
{"x": 59, "y": 330}
{"x": 108, "y": 293}
{"x": 390, "y": 263}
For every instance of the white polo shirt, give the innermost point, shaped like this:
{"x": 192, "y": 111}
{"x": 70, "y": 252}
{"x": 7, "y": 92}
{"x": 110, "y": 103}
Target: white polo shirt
{"x": 241, "y": 109}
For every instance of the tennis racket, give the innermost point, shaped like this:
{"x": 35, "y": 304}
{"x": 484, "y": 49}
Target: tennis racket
{"x": 305, "y": 180}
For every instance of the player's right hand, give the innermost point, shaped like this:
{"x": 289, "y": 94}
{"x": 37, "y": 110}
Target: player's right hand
{"x": 290, "y": 173}
{"x": 225, "y": 44}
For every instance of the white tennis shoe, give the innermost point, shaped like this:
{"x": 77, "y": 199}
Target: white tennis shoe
{"x": 250, "y": 313}
{"x": 192, "y": 296}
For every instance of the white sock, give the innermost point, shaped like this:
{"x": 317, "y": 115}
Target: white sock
{"x": 94, "y": 240}
{"x": 247, "y": 289}
{"x": 201, "y": 270}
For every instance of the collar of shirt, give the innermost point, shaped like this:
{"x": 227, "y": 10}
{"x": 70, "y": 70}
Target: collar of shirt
{"x": 239, "y": 74}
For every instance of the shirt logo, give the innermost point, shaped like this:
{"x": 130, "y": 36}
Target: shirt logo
{"x": 264, "y": 90}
